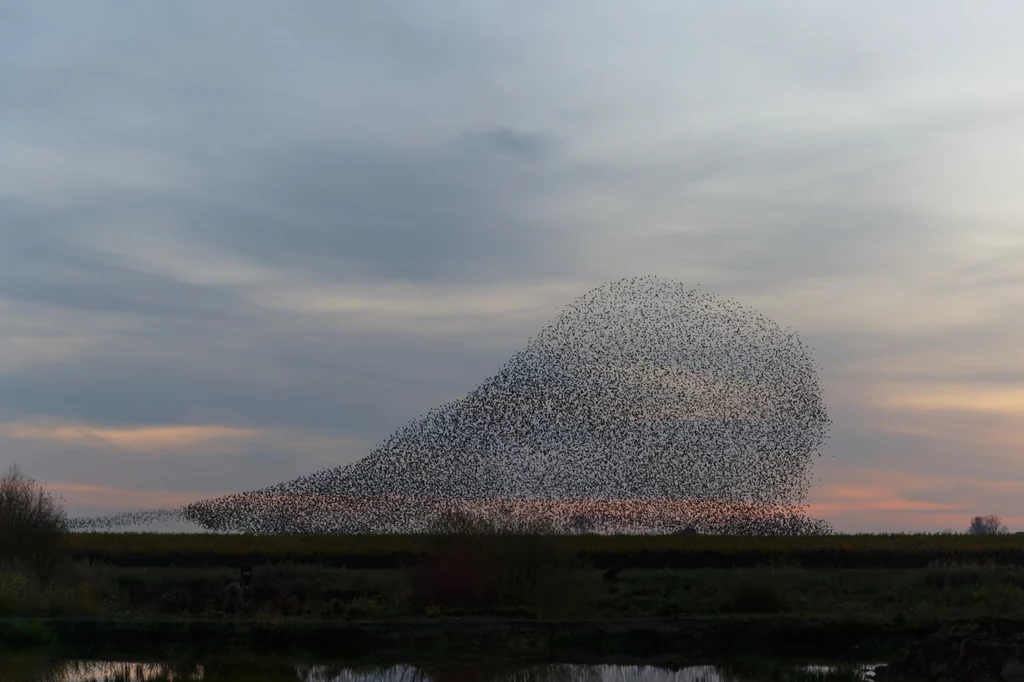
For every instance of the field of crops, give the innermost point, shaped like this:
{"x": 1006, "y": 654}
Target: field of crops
{"x": 625, "y": 551}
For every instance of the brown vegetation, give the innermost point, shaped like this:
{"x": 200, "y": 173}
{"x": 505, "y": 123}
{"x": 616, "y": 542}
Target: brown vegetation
{"x": 33, "y": 526}
{"x": 478, "y": 563}
{"x": 315, "y": 592}
{"x": 601, "y": 551}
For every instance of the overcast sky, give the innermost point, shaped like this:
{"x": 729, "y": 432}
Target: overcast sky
{"x": 241, "y": 241}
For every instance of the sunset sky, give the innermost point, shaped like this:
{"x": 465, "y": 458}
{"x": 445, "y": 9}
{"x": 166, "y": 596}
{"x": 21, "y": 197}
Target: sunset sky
{"x": 241, "y": 241}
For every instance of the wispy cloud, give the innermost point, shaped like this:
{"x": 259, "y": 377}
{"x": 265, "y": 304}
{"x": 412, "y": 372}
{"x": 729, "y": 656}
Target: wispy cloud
{"x": 1007, "y": 400}
{"x": 187, "y": 439}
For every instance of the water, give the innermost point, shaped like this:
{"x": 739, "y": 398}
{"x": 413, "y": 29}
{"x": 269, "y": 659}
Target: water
{"x": 27, "y": 670}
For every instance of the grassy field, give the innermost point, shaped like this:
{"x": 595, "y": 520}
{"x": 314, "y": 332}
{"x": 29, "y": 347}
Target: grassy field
{"x": 648, "y": 552}
{"x": 472, "y": 587}
{"x": 323, "y": 592}
{"x": 867, "y": 586}
{"x": 507, "y": 597}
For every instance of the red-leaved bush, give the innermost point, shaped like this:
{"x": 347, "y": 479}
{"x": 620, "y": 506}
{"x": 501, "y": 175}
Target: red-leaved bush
{"x": 479, "y": 564}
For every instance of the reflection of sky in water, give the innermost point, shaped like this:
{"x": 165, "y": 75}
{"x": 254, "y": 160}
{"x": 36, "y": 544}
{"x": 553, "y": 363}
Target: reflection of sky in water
{"x": 121, "y": 671}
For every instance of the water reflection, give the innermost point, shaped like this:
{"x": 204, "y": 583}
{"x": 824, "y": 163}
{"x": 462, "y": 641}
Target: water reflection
{"x": 23, "y": 670}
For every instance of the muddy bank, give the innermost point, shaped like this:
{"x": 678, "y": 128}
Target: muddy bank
{"x": 980, "y": 651}
{"x": 483, "y": 639}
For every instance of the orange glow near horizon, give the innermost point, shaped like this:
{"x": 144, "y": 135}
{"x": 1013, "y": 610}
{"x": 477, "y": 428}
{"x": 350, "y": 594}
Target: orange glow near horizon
{"x": 158, "y": 438}
{"x": 894, "y": 500}
{"x": 111, "y": 499}
{"x": 859, "y": 507}
{"x": 954, "y": 397}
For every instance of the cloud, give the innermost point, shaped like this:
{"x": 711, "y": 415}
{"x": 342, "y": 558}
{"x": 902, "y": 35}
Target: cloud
{"x": 168, "y": 457}
{"x": 311, "y": 224}
{"x": 530, "y": 146}
{"x": 195, "y": 439}
{"x": 355, "y": 217}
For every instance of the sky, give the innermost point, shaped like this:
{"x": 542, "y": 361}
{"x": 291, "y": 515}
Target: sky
{"x": 242, "y": 241}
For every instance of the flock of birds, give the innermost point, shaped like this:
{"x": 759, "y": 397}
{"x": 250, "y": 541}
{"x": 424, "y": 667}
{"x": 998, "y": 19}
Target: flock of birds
{"x": 645, "y": 406}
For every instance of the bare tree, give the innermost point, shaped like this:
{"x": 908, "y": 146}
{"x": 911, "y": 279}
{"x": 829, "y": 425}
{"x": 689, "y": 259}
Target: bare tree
{"x": 987, "y": 525}
{"x": 33, "y": 524}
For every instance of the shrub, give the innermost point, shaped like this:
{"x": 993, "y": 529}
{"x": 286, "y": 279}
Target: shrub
{"x": 33, "y": 524}
{"x": 483, "y": 564}
{"x": 945, "y": 575}
{"x": 755, "y": 596}
{"x": 78, "y": 590}
{"x": 26, "y": 635}
{"x": 279, "y": 590}
{"x": 460, "y": 575}
{"x": 987, "y": 525}
{"x": 366, "y": 607}
{"x": 19, "y": 592}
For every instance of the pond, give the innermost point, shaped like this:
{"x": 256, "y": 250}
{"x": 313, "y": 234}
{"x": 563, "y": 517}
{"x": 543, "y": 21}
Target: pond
{"x": 41, "y": 670}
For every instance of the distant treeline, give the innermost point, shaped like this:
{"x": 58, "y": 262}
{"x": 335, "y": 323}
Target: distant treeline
{"x": 622, "y": 551}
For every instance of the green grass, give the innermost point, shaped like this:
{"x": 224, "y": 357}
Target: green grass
{"x": 936, "y": 592}
{"x": 74, "y": 589}
{"x": 324, "y": 592}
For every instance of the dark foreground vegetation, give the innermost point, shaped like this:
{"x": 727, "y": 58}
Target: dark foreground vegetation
{"x": 599, "y": 551}
{"x": 276, "y": 669}
{"x": 460, "y": 585}
{"x": 980, "y": 652}
{"x": 519, "y": 597}
{"x": 468, "y": 590}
